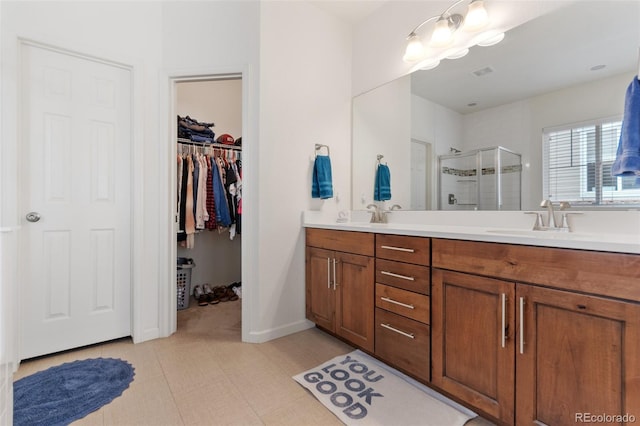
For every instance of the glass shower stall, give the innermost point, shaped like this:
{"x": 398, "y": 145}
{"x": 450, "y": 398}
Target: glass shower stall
{"x": 482, "y": 179}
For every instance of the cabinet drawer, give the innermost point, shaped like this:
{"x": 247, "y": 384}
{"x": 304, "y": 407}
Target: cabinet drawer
{"x": 403, "y": 248}
{"x": 406, "y": 303}
{"x": 403, "y": 275}
{"x": 403, "y": 343}
{"x": 607, "y": 274}
{"x": 344, "y": 241}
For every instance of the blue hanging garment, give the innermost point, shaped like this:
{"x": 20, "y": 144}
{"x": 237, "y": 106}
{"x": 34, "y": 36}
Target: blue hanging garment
{"x": 382, "y": 187}
{"x": 627, "y": 161}
{"x": 321, "y": 183}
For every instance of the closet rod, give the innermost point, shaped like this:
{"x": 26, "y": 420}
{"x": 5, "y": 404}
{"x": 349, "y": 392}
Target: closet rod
{"x": 211, "y": 145}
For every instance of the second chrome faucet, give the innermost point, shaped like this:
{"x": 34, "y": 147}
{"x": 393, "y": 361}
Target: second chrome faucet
{"x": 380, "y": 216}
{"x": 551, "y": 223}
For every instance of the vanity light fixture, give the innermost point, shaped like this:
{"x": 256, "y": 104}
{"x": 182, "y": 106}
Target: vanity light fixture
{"x": 477, "y": 17}
{"x": 456, "y": 54}
{"x": 443, "y": 34}
{"x": 489, "y": 38}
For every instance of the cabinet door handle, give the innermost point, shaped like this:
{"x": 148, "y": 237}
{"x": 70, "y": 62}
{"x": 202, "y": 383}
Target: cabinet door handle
{"x": 504, "y": 319}
{"x": 334, "y": 274}
{"x": 398, "y": 249}
{"x": 386, "y": 299}
{"x": 522, "y": 325}
{"x": 409, "y": 335}
{"x": 328, "y": 272}
{"x": 404, "y": 277}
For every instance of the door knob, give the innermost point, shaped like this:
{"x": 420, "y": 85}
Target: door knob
{"x": 33, "y": 216}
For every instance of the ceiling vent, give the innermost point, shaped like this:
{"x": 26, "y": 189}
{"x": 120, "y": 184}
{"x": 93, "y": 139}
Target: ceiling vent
{"x": 483, "y": 71}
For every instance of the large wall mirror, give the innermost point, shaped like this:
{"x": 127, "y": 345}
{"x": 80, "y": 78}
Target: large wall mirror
{"x": 571, "y": 65}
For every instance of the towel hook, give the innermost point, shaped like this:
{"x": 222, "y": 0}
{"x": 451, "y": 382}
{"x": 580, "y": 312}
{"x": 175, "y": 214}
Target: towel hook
{"x": 380, "y": 157}
{"x": 320, "y": 146}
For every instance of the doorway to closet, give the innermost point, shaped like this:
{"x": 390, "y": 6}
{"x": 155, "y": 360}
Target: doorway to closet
{"x": 208, "y": 137}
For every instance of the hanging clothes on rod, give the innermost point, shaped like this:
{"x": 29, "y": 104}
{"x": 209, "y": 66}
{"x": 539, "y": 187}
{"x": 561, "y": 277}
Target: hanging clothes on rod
{"x": 209, "y": 191}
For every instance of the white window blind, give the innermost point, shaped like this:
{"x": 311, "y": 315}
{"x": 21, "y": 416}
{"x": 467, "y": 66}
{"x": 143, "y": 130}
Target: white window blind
{"x": 577, "y": 165}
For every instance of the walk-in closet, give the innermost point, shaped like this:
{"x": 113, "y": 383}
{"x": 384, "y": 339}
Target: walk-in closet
{"x": 208, "y": 190}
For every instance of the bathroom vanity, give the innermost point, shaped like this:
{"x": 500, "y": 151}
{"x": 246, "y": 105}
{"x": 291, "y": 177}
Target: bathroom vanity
{"x": 524, "y": 330}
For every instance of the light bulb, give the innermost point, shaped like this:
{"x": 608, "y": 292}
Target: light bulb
{"x": 489, "y": 38}
{"x": 456, "y": 54}
{"x": 477, "y": 17}
{"x": 415, "y": 49}
{"x": 428, "y": 64}
{"x": 442, "y": 34}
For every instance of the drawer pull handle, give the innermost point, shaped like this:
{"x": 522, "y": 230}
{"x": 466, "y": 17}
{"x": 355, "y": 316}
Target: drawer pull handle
{"x": 386, "y": 299}
{"x": 391, "y": 274}
{"x": 522, "y": 325}
{"x": 504, "y": 319}
{"x": 328, "y": 272}
{"x": 409, "y": 335}
{"x": 398, "y": 249}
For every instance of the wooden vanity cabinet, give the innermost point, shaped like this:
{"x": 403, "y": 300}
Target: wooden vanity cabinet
{"x": 339, "y": 284}
{"x": 563, "y": 354}
{"x": 403, "y": 306}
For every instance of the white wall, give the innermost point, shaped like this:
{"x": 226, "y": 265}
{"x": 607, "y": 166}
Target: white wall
{"x": 220, "y": 37}
{"x": 88, "y": 28}
{"x": 7, "y": 326}
{"x": 305, "y": 57}
{"x": 128, "y": 33}
{"x": 293, "y": 100}
{"x": 439, "y": 126}
{"x": 518, "y": 126}
{"x": 382, "y": 126}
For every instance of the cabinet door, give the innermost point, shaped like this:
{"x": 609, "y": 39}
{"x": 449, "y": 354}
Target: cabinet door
{"x": 320, "y": 294}
{"x": 355, "y": 299}
{"x": 472, "y": 348}
{"x": 580, "y": 355}
{"x": 404, "y": 343}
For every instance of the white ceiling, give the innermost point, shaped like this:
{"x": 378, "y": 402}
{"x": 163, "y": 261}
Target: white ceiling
{"x": 548, "y": 53}
{"x": 350, "y": 11}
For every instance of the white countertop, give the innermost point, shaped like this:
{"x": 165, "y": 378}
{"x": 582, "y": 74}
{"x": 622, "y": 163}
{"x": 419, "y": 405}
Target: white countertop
{"x": 504, "y": 227}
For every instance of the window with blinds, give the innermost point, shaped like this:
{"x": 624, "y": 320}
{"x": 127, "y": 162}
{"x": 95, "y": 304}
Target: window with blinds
{"x": 577, "y": 163}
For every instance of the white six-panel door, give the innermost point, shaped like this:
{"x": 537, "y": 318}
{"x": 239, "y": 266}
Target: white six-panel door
{"x": 75, "y": 261}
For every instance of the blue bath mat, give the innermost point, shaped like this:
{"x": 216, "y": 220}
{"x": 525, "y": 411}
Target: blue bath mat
{"x": 68, "y": 392}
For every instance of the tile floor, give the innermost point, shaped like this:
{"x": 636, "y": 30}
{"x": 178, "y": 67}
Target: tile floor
{"x": 204, "y": 375}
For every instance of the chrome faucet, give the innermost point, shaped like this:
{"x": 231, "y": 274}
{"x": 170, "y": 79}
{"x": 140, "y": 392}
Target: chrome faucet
{"x": 551, "y": 224}
{"x": 551, "y": 216}
{"x": 375, "y": 214}
{"x": 380, "y": 216}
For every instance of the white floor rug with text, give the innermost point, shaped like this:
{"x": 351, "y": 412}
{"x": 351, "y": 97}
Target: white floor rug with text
{"x": 361, "y": 390}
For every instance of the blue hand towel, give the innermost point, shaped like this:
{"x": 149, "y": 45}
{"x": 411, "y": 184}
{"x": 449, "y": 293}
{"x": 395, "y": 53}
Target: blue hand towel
{"x": 321, "y": 185}
{"x": 627, "y": 161}
{"x": 382, "y": 188}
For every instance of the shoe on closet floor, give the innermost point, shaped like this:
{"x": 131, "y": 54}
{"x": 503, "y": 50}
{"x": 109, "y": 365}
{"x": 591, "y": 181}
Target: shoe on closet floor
{"x": 200, "y": 296}
{"x": 221, "y": 293}
{"x": 212, "y": 298}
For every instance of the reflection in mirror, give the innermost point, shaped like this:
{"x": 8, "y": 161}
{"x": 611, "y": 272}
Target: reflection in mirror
{"x": 483, "y": 179}
{"x": 547, "y": 72}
